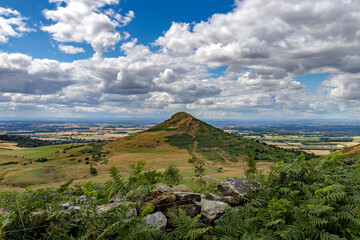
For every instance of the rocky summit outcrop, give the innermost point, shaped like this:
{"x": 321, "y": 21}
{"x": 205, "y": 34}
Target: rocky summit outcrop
{"x": 211, "y": 206}
{"x": 166, "y": 199}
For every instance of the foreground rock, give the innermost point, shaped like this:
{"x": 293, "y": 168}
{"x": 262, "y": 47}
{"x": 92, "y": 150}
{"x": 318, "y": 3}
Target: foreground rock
{"x": 190, "y": 210}
{"x": 164, "y": 196}
{"x": 212, "y": 209}
{"x": 237, "y": 187}
{"x": 226, "y": 199}
{"x": 349, "y": 161}
{"x": 38, "y": 214}
{"x": 158, "y": 219}
{"x": 106, "y": 207}
{"x": 162, "y": 188}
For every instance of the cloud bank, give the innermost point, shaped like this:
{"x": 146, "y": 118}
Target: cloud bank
{"x": 236, "y": 64}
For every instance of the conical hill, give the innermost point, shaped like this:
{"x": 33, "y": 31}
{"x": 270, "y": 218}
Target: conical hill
{"x": 201, "y": 140}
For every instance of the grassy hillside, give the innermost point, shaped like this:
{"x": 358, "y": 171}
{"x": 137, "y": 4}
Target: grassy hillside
{"x": 175, "y": 141}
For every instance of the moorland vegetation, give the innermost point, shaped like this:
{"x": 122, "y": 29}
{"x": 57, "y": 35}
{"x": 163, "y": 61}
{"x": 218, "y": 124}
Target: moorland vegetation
{"x": 304, "y": 199}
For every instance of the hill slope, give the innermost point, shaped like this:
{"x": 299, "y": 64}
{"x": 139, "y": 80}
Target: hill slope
{"x": 201, "y": 140}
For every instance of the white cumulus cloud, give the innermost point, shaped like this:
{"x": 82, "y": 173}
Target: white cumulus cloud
{"x": 12, "y": 24}
{"x": 70, "y": 49}
{"x": 85, "y": 21}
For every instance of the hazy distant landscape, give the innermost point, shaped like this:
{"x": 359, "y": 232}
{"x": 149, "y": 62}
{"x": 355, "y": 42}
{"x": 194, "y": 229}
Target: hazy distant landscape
{"x": 81, "y": 144}
{"x": 314, "y": 136}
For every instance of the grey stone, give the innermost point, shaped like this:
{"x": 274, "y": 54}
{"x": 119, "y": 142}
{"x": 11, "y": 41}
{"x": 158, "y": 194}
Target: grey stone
{"x": 211, "y": 209}
{"x": 349, "y": 161}
{"x": 5, "y": 211}
{"x": 66, "y": 205}
{"x": 237, "y": 186}
{"x": 162, "y": 188}
{"x": 75, "y": 208}
{"x": 216, "y": 197}
{"x": 157, "y": 218}
{"x": 209, "y": 196}
{"x": 105, "y": 207}
{"x": 181, "y": 188}
{"x": 114, "y": 199}
{"x": 84, "y": 198}
{"x": 131, "y": 213}
{"x": 37, "y": 214}
{"x": 187, "y": 197}
{"x": 230, "y": 200}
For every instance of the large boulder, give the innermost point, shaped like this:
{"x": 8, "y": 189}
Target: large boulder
{"x": 164, "y": 196}
{"x": 169, "y": 199}
{"x": 158, "y": 219}
{"x": 212, "y": 209}
{"x": 237, "y": 187}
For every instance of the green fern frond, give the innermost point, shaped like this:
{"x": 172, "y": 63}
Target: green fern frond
{"x": 187, "y": 227}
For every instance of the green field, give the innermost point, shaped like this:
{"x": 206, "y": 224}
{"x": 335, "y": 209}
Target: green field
{"x": 38, "y": 152}
{"x": 314, "y": 143}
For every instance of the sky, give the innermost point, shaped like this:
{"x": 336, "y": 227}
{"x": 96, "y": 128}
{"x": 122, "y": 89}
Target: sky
{"x": 248, "y": 59}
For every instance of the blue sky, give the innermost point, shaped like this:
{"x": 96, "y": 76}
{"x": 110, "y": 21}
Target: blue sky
{"x": 152, "y": 19}
{"x": 215, "y": 59}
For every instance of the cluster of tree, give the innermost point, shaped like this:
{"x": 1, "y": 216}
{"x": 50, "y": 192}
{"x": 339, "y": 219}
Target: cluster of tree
{"x": 25, "y": 142}
{"x": 343, "y": 139}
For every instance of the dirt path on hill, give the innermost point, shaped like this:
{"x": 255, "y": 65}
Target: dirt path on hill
{"x": 197, "y": 156}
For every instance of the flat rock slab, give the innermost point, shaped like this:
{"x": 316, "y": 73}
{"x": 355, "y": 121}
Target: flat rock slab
{"x": 211, "y": 209}
{"x": 162, "y": 188}
{"x": 226, "y": 199}
{"x": 169, "y": 199}
{"x": 237, "y": 187}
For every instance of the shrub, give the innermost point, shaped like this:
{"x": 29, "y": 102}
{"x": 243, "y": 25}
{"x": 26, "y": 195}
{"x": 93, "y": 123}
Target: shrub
{"x": 93, "y": 170}
{"x": 42, "y": 160}
{"x": 172, "y": 175}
